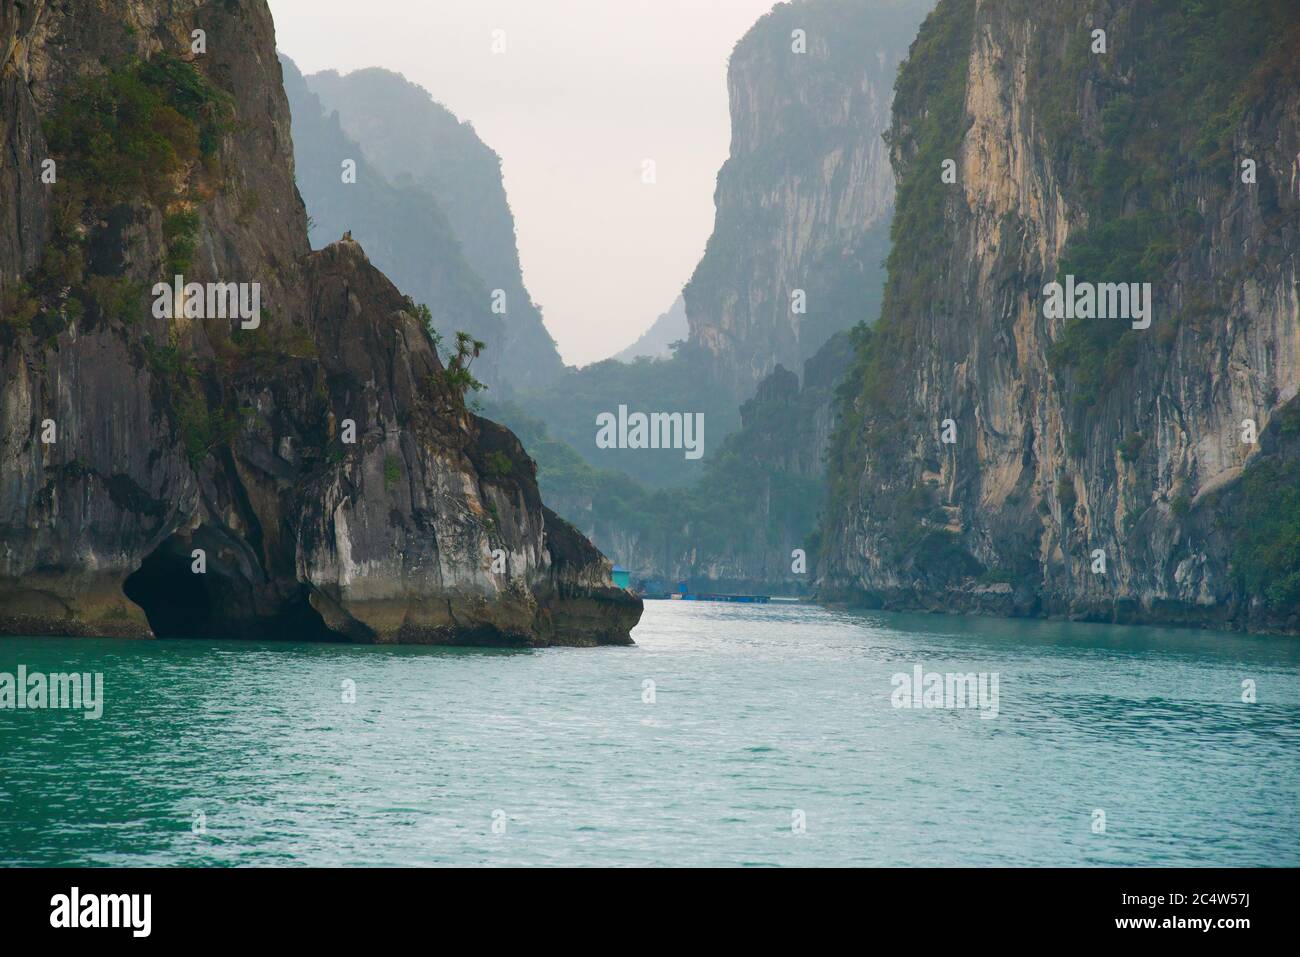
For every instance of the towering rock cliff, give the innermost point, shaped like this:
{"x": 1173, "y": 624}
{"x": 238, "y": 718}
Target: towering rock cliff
{"x": 804, "y": 200}
{"x": 416, "y": 142}
{"x": 302, "y": 469}
{"x": 1002, "y": 454}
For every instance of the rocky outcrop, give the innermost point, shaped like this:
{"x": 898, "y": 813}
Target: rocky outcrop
{"x": 804, "y": 199}
{"x": 419, "y": 145}
{"x": 402, "y": 228}
{"x": 998, "y": 455}
{"x": 311, "y": 473}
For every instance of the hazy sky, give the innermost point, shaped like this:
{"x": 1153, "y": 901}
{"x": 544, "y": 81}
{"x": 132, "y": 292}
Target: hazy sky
{"x": 584, "y": 92}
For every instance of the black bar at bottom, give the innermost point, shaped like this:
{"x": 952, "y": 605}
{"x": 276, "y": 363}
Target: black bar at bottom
{"x": 333, "y": 906}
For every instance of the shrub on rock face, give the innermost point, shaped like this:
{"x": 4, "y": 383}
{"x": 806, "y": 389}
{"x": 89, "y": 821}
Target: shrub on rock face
{"x": 1065, "y": 494}
{"x": 128, "y": 133}
{"x": 392, "y": 471}
{"x": 1131, "y": 447}
{"x": 135, "y": 134}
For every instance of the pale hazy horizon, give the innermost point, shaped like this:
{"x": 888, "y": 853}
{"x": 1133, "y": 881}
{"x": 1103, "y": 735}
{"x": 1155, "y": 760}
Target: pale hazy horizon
{"x": 584, "y": 92}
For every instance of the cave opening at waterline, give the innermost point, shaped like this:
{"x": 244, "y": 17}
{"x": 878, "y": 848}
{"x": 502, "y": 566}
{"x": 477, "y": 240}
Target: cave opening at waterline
{"x": 217, "y": 602}
{"x": 173, "y": 597}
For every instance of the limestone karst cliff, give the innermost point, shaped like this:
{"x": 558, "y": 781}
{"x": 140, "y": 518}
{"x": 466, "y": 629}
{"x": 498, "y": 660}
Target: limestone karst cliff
{"x": 132, "y": 445}
{"x": 805, "y": 196}
{"x": 1000, "y": 455}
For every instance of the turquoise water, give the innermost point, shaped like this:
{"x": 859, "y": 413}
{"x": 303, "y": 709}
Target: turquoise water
{"x": 758, "y": 712}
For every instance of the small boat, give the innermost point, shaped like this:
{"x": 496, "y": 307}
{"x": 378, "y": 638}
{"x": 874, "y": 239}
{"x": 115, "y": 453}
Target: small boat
{"x": 683, "y": 593}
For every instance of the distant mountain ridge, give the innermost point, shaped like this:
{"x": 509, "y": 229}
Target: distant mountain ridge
{"x": 402, "y": 227}
{"x": 655, "y": 342}
{"x": 804, "y": 202}
{"x": 414, "y": 141}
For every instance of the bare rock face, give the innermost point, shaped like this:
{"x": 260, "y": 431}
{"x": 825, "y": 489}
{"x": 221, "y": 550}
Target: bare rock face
{"x": 804, "y": 199}
{"x": 318, "y": 463}
{"x": 1095, "y": 468}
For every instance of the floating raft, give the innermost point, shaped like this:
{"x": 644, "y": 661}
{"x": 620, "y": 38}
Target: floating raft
{"x": 745, "y": 599}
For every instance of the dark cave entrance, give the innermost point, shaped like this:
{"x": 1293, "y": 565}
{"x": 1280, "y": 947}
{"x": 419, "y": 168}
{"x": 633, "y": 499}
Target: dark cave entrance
{"x": 174, "y": 598}
{"x": 221, "y": 602}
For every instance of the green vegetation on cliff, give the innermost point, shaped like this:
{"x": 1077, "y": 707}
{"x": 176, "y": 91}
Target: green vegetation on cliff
{"x": 1146, "y": 143}
{"x": 931, "y": 85}
{"x": 129, "y": 135}
{"x": 1265, "y": 522}
{"x": 1171, "y": 90}
{"x": 1266, "y": 553}
{"x": 145, "y": 133}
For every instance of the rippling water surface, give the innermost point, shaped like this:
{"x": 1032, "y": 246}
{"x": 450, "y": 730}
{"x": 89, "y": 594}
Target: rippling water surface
{"x": 757, "y": 712}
